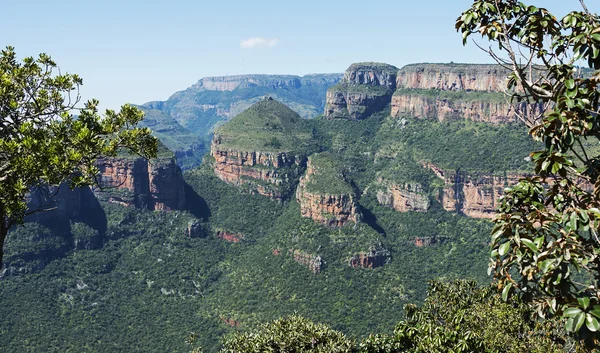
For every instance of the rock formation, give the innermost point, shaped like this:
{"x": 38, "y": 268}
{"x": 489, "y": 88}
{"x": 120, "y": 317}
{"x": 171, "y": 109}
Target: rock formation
{"x": 403, "y": 198}
{"x": 313, "y": 262}
{"x": 156, "y": 184}
{"x": 474, "y": 195}
{"x": 230, "y": 236}
{"x": 453, "y": 77}
{"x": 257, "y": 149}
{"x": 374, "y": 257}
{"x": 324, "y": 195}
{"x": 365, "y": 89}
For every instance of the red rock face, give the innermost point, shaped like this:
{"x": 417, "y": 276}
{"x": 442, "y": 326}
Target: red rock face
{"x": 403, "y": 198}
{"x": 156, "y": 184}
{"x": 424, "y": 241}
{"x": 371, "y": 259}
{"x": 473, "y": 195}
{"x": 229, "y": 236}
{"x": 327, "y": 209}
{"x": 443, "y": 109}
{"x": 453, "y": 78}
{"x": 242, "y": 168}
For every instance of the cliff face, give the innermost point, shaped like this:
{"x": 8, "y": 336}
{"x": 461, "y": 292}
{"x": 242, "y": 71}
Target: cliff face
{"x": 155, "y": 185}
{"x": 473, "y": 195}
{"x": 373, "y": 258}
{"x": 453, "y": 77}
{"x": 229, "y": 83}
{"x": 485, "y": 110}
{"x": 313, "y": 262}
{"x": 403, "y": 198}
{"x": 366, "y": 88}
{"x": 258, "y": 171}
{"x": 333, "y": 208}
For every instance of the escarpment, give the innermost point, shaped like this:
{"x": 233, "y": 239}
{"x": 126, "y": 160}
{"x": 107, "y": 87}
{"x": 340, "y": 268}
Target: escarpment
{"x": 324, "y": 195}
{"x": 365, "y": 89}
{"x": 473, "y": 194}
{"x": 152, "y": 184}
{"x": 453, "y": 77}
{"x": 403, "y": 197}
{"x": 258, "y": 150}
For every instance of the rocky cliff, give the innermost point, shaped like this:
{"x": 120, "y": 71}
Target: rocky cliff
{"x": 403, "y": 198}
{"x": 453, "y": 77}
{"x": 156, "y": 184}
{"x": 374, "y": 257}
{"x": 324, "y": 195}
{"x": 365, "y": 89}
{"x": 473, "y": 194}
{"x": 258, "y": 150}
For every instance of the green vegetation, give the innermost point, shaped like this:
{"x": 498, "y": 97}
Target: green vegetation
{"x": 455, "y": 96}
{"x": 328, "y": 175}
{"x": 42, "y": 143}
{"x": 267, "y": 126}
{"x": 545, "y": 243}
{"x": 374, "y": 66}
{"x": 363, "y": 89}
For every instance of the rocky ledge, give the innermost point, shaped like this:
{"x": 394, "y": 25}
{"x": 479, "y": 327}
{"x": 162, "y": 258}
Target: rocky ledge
{"x": 365, "y": 89}
{"x": 156, "y": 184}
{"x": 375, "y": 257}
{"x": 324, "y": 195}
{"x": 403, "y": 197}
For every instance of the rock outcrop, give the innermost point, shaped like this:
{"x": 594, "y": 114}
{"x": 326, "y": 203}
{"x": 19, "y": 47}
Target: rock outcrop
{"x": 324, "y": 195}
{"x": 230, "y": 236}
{"x": 156, "y": 184}
{"x": 374, "y": 257}
{"x": 403, "y": 198}
{"x": 314, "y": 262}
{"x": 256, "y": 171}
{"x": 257, "y": 150}
{"x": 365, "y": 89}
{"x": 474, "y": 195}
{"x": 490, "y": 108}
{"x": 453, "y": 77}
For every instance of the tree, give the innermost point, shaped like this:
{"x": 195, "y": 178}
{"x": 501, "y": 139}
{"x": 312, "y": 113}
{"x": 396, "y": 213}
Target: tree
{"x": 42, "y": 142}
{"x": 461, "y": 316}
{"x": 290, "y": 335}
{"x": 545, "y": 244}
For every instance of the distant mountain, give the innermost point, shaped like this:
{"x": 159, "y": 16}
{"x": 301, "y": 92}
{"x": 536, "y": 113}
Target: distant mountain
{"x": 186, "y": 120}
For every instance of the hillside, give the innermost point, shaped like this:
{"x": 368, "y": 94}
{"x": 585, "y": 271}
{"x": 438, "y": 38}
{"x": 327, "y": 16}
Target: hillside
{"x": 185, "y": 122}
{"x": 343, "y": 218}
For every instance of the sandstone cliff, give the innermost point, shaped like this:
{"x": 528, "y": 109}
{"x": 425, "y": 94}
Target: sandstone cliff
{"x": 403, "y": 198}
{"x": 453, "y": 77}
{"x": 365, "y": 89}
{"x": 474, "y": 195}
{"x": 258, "y": 150}
{"x": 374, "y": 257}
{"x": 324, "y": 195}
{"x": 156, "y": 185}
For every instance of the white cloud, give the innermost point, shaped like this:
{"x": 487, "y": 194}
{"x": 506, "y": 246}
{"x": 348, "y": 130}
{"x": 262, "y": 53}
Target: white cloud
{"x": 258, "y": 42}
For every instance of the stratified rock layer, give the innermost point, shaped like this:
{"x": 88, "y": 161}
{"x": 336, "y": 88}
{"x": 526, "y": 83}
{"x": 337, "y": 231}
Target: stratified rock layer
{"x": 403, "y": 198}
{"x": 365, "y": 89}
{"x": 330, "y": 209}
{"x": 155, "y": 184}
{"x": 453, "y": 77}
{"x": 375, "y": 257}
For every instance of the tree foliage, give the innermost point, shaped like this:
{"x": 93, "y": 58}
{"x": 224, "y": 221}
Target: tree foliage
{"x": 43, "y": 143}
{"x": 547, "y": 229}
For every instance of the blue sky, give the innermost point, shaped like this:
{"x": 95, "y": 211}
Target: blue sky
{"x": 138, "y": 51}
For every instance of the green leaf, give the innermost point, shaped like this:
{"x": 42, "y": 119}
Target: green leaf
{"x": 596, "y": 311}
{"x": 504, "y": 248}
{"x": 530, "y": 244}
{"x": 579, "y": 320}
{"x": 570, "y": 84}
{"x": 505, "y": 291}
{"x": 570, "y": 312}
{"x": 591, "y": 323}
{"x": 584, "y": 302}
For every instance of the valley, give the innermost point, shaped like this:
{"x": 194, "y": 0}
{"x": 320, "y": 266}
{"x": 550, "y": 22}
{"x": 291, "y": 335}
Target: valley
{"x": 337, "y": 197}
